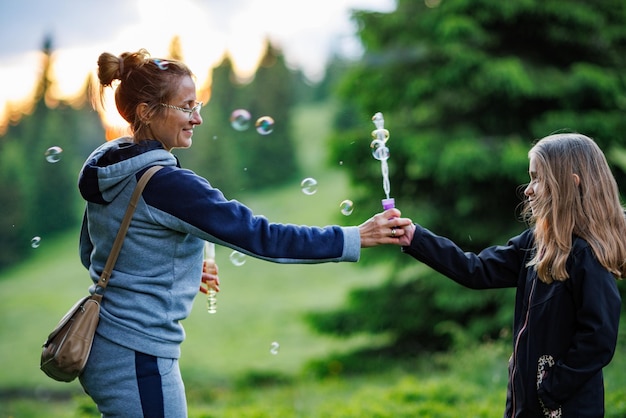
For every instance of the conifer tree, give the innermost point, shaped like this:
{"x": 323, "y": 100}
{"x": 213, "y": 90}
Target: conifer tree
{"x": 465, "y": 88}
{"x": 217, "y": 153}
{"x": 270, "y": 157}
{"x": 38, "y": 194}
{"x": 240, "y": 158}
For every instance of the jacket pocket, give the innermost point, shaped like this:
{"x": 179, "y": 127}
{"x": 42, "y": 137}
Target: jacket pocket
{"x": 546, "y": 292}
{"x": 544, "y": 364}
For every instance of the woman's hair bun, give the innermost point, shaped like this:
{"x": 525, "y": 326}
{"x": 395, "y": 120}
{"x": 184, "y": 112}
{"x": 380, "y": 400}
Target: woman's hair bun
{"x": 112, "y": 67}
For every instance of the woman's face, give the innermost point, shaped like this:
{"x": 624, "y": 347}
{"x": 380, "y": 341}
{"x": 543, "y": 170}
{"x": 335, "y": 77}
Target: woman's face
{"x": 172, "y": 127}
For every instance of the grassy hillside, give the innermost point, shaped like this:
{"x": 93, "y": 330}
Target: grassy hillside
{"x": 227, "y": 364}
{"x": 260, "y": 303}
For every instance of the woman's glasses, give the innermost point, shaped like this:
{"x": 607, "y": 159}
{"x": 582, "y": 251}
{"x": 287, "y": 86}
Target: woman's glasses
{"x": 191, "y": 111}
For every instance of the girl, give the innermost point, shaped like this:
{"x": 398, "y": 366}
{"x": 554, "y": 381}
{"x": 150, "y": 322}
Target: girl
{"x": 564, "y": 267}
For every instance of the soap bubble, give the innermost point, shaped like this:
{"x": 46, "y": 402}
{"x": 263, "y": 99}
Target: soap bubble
{"x": 274, "y": 347}
{"x": 382, "y": 134}
{"x": 240, "y": 119}
{"x": 346, "y": 207}
{"x": 53, "y": 154}
{"x": 308, "y": 186}
{"x": 265, "y": 125}
{"x": 379, "y": 150}
{"x": 35, "y": 242}
{"x": 238, "y": 259}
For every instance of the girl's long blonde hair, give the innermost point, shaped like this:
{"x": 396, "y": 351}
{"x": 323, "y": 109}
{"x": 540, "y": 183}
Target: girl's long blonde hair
{"x": 564, "y": 208}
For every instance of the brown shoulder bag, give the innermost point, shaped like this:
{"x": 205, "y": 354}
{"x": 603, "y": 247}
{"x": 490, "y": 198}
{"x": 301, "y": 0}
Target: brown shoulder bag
{"x": 67, "y": 348}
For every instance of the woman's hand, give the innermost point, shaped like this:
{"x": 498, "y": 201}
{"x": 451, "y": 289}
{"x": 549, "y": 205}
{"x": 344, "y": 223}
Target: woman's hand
{"x": 386, "y": 228}
{"x": 210, "y": 279}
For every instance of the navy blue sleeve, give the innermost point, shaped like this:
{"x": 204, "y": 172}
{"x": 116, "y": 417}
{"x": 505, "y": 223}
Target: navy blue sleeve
{"x": 494, "y": 267}
{"x": 199, "y": 208}
{"x": 84, "y": 243}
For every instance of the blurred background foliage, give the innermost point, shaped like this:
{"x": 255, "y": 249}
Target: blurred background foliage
{"x": 465, "y": 87}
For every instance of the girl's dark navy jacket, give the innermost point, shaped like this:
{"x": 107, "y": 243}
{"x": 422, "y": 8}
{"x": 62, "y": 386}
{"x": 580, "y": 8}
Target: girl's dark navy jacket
{"x": 574, "y": 322}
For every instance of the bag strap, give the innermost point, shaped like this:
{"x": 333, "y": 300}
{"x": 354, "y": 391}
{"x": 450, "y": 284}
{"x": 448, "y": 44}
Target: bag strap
{"x": 121, "y": 234}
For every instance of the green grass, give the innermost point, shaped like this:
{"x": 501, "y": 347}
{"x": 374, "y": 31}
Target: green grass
{"x": 260, "y": 302}
{"x": 226, "y": 361}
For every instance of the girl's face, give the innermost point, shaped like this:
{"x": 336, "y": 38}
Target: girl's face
{"x": 535, "y": 187}
{"x": 174, "y": 128}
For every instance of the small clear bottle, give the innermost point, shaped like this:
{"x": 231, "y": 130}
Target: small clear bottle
{"x": 211, "y": 300}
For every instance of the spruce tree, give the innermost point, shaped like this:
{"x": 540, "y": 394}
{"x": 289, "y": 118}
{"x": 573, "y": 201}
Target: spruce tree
{"x": 236, "y": 158}
{"x": 38, "y": 193}
{"x": 465, "y": 88}
{"x": 270, "y": 155}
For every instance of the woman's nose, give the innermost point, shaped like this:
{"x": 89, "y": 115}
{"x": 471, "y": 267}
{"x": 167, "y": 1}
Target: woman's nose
{"x": 196, "y": 119}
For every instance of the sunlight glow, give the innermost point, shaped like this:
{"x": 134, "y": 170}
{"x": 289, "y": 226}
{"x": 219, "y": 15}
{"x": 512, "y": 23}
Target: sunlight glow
{"x": 114, "y": 123}
{"x": 22, "y": 74}
{"x": 157, "y": 24}
{"x": 70, "y": 72}
{"x": 207, "y": 31}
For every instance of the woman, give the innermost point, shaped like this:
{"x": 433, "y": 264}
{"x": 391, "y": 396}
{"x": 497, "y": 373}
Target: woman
{"x": 133, "y": 367}
{"x": 567, "y": 306}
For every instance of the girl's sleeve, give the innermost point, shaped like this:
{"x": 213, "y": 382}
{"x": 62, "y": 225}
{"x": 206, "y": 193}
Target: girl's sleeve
{"x": 494, "y": 267}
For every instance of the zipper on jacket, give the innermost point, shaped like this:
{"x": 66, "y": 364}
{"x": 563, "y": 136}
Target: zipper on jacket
{"x": 516, "y": 346}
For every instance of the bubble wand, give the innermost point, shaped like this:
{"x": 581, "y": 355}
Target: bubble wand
{"x": 211, "y": 294}
{"x": 380, "y": 151}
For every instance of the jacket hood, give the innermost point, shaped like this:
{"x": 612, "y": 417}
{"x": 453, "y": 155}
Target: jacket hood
{"x": 112, "y": 165}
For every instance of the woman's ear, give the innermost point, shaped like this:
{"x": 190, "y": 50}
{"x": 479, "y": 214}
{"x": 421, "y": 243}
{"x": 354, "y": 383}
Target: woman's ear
{"x": 143, "y": 113}
{"x": 576, "y": 179}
